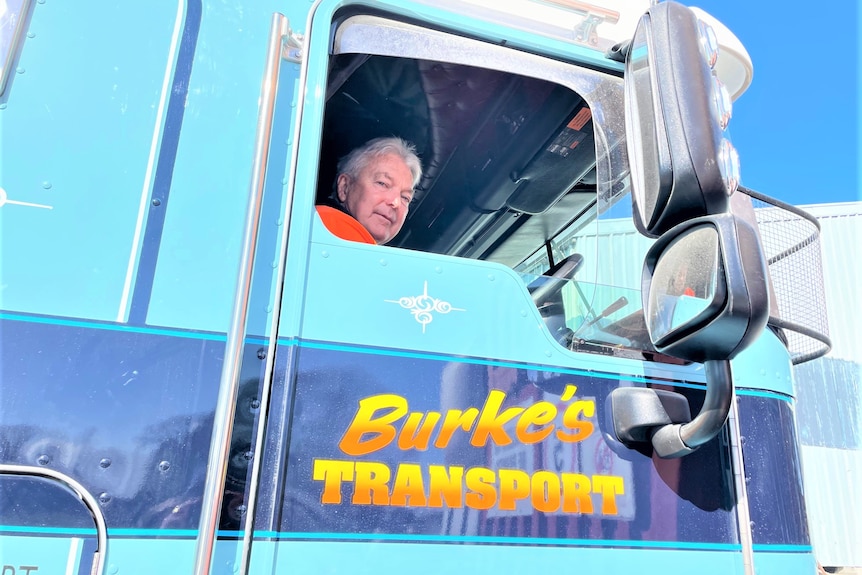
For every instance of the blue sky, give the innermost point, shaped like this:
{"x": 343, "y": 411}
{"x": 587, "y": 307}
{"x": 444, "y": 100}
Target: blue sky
{"x": 797, "y": 126}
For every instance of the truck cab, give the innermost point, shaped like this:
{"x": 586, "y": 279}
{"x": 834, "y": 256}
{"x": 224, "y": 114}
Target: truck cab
{"x": 198, "y": 376}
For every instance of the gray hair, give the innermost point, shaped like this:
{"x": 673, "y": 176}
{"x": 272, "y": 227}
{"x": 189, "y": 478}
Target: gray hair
{"x": 354, "y": 162}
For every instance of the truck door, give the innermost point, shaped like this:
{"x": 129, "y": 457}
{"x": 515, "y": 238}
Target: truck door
{"x": 422, "y": 409}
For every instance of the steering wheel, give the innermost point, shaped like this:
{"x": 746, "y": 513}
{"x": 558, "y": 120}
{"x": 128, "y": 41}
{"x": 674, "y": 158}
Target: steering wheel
{"x": 545, "y": 288}
{"x": 545, "y": 291}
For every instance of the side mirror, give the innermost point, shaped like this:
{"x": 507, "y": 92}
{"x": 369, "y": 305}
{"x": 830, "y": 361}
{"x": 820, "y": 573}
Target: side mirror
{"x": 682, "y": 164}
{"x": 704, "y": 289}
{"x": 704, "y": 285}
{"x": 705, "y": 298}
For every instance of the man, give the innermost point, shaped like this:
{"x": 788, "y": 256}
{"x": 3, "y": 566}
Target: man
{"x": 373, "y": 191}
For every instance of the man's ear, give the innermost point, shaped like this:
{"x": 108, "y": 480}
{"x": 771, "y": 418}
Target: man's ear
{"x": 341, "y": 187}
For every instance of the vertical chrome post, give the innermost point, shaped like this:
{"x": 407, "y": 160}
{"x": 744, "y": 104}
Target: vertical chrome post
{"x": 743, "y": 515}
{"x": 229, "y": 382}
{"x": 293, "y": 51}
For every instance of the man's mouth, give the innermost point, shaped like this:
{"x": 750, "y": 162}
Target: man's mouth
{"x": 385, "y": 217}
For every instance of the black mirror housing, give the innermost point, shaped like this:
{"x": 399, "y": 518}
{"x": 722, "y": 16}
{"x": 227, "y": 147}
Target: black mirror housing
{"x": 705, "y": 292}
{"x": 674, "y": 138}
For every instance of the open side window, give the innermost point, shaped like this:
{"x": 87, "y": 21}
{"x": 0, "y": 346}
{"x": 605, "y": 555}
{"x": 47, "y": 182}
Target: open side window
{"x": 516, "y": 168}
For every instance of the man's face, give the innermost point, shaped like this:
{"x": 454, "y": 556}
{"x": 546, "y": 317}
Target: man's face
{"x": 379, "y": 196}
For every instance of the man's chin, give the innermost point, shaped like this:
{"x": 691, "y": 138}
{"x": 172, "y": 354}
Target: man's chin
{"x": 380, "y": 238}
{"x": 381, "y": 234}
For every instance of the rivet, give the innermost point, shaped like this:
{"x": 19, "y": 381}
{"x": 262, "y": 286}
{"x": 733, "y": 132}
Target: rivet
{"x": 438, "y": 269}
{"x": 491, "y": 277}
{"x": 157, "y": 202}
{"x": 384, "y": 263}
{"x": 248, "y": 455}
{"x": 43, "y": 460}
{"x": 324, "y": 253}
{"x": 46, "y": 184}
{"x": 104, "y": 498}
{"x": 105, "y": 463}
{"x": 20, "y": 70}
{"x": 261, "y": 353}
{"x": 164, "y": 465}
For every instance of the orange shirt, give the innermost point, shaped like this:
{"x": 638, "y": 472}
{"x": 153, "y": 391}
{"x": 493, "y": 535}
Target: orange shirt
{"x": 344, "y": 225}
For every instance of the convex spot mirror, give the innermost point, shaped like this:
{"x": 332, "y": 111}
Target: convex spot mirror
{"x": 682, "y": 164}
{"x": 704, "y": 289}
{"x": 705, "y": 299}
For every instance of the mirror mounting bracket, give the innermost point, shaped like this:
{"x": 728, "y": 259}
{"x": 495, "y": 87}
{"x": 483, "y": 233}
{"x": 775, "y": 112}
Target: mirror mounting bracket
{"x": 642, "y": 416}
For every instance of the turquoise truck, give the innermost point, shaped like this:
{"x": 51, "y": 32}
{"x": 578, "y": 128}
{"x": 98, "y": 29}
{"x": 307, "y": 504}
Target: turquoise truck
{"x": 575, "y": 355}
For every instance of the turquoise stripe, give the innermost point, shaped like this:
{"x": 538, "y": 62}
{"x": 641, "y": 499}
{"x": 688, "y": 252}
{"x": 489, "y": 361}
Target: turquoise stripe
{"x": 126, "y": 328}
{"x": 764, "y": 548}
{"x": 290, "y": 342}
{"x": 550, "y": 541}
{"x": 48, "y": 530}
{"x": 294, "y": 342}
{"x": 766, "y": 394}
{"x": 393, "y": 537}
{"x": 113, "y": 327}
{"x": 128, "y": 533}
{"x": 476, "y": 361}
{"x": 258, "y": 535}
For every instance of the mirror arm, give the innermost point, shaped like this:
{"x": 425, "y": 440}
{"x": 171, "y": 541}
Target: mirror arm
{"x": 676, "y": 440}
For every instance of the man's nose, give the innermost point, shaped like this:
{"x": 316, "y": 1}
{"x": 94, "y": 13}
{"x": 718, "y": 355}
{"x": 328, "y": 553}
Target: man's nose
{"x": 394, "y": 198}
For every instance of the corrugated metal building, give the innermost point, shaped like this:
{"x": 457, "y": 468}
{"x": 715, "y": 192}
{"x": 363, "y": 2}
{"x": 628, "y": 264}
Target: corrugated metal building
{"x": 829, "y": 392}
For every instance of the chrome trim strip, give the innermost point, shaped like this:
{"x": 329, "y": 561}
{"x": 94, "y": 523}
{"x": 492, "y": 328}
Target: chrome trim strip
{"x": 743, "y": 515}
{"x": 229, "y": 383}
{"x": 86, "y": 498}
{"x": 146, "y": 190}
{"x": 287, "y": 39}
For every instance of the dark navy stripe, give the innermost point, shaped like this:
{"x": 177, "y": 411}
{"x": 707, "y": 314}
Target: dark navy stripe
{"x": 165, "y": 166}
{"x": 353, "y": 348}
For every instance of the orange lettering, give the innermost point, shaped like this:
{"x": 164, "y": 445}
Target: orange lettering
{"x": 581, "y": 429}
{"x": 480, "y": 482}
{"x": 538, "y": 414}
{"x": 332, "y": 473}
{"x": 372, "y": 484}
{"x": 491, "y": 422}
{"x": 380, "y": 430}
